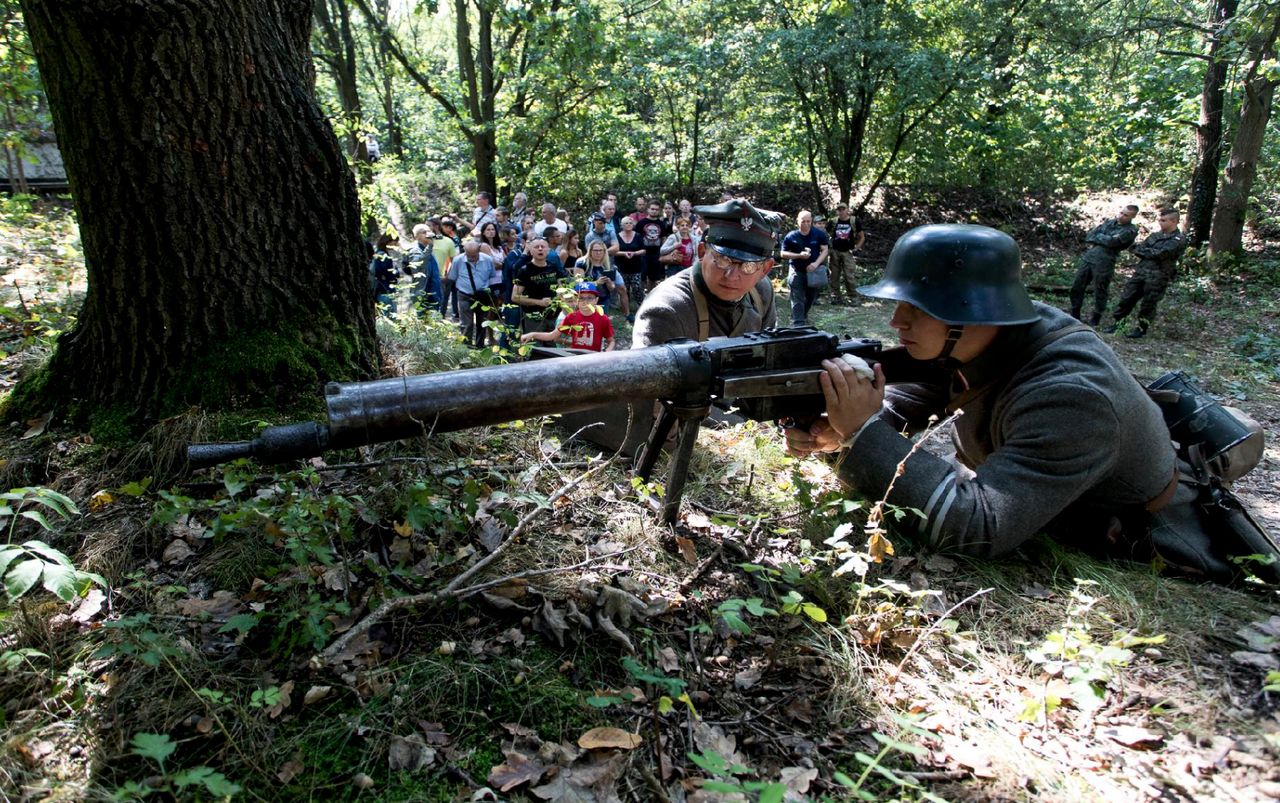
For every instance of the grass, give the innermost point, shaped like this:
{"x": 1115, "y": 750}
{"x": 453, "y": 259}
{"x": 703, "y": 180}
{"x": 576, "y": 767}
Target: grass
{"x": 882, "y": 663}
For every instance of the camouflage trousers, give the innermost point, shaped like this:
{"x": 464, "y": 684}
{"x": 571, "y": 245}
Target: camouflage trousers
{"x": 844, "y": 276}
{"x": 1099, "y": 273}
{"x": 1147, "y": 285}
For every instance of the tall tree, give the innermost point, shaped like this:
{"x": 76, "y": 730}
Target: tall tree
{"x": 337, "y": 52}
{"x": 1260, "y": 81}
{"x": 847, "y": 66}
{"x": 219, "y": 219}
{"x": 1208, "y": 132}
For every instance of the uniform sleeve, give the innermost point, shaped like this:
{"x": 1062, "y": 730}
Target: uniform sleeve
{"x": 1094, "y": 237}
{"x": 656, "y": 324}
{"x": 1123, "y": 238}
{"x": 1161, "y": 249}
{"x": 1056, "y": 445}
{"x": 768, "y": 315}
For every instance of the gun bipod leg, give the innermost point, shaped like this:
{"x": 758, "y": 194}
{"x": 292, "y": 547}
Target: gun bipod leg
{"x": 678, "y": 472}
{"x": 648, "y": 456}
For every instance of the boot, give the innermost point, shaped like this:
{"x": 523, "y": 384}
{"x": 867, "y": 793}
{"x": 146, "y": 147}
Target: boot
{"x": 1111, "y": 330}
{"x": 1095, "y": 319}
{"x": 1075, "y": 313}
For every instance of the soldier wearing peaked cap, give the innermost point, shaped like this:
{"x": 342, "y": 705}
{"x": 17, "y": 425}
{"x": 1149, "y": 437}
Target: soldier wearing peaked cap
{"x": 725, "y": 293}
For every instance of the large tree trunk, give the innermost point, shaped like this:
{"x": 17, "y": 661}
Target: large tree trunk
{"x": 1242, "y": 167}
{"x": 219, "y": 219}
{"x": 1204, "y": 176}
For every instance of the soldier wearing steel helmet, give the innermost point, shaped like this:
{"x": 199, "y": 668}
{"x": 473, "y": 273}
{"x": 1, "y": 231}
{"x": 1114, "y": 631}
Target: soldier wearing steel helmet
{"x": 1056, "y": 435}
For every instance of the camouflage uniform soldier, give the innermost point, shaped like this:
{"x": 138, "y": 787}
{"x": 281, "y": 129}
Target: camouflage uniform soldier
{"x": 1158, "y": 255}
{"x": 1098, "y": 264}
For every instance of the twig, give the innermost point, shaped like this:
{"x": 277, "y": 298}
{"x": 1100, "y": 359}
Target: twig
{"x": 390, "y": 606}
{"x": 928, "y": 631}
{"x": 735, "y": 515}
{"x": 520, "y": 528}
{"x": 689, "y": 581}
{"x": 654, "y": 785}
{"x": 469, "y": 590}
{"x": 935, "y": 775}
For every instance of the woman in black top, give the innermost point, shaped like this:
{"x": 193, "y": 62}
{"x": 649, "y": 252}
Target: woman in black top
{"x": 630, "y": 261}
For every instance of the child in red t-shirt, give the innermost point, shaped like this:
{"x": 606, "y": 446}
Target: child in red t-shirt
{"x": 585, "y": 328}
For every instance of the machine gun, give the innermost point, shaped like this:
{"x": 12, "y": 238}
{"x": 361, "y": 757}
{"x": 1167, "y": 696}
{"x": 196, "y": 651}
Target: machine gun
{"x": 767, "y": 376}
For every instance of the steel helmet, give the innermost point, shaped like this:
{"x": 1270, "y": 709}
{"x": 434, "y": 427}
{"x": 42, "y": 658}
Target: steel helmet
{"x": 959, "y": 274}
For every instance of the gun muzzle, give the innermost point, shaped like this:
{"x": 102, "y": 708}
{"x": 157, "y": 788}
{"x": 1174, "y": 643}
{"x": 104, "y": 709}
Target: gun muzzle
{"x": 273, "y": 445}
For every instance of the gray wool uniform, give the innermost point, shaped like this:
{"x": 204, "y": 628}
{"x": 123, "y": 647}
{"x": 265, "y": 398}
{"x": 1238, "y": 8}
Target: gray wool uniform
{"x": 671, "y": 311}
{"x": 1069, "y": 439}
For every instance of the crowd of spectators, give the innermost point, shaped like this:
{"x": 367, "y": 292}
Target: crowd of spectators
{"x": 504, "y": 271}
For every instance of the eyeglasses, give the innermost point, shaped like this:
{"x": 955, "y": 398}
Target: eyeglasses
{"x": 728, "y": 265}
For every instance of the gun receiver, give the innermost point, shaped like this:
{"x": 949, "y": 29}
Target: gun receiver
{"x": 769, "y": 376}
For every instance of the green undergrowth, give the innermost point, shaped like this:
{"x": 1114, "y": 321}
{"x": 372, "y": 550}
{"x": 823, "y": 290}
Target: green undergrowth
{"x": 778, "y": 627}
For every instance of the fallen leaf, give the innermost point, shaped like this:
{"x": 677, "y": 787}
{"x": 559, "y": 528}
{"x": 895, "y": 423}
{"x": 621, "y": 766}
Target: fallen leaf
{"x": 516, "y": 770}
{"x": 315, "y": 694}
{"x": 492, "y": 533}
{"x": 1133, "y": 736}
{"x": 550, "y": 622}
{"x": 747, "y": 678}
{"x": 89, "y": 607}
{"x": 361, "y": 781}
{"x": 289, "y": 770}
{"x": 176, "y": 552}
{"x": 1036, "y": 591}
{"x": 36, "y": 426}
{"x": 220, "y": 607}
{"x": 410, "y": 753}
{"x": 1259, "y": 660}
{"x": 668, "y": 661}
{"x": 286, "y": 689}
{"x": 403, "y": 529}
{"x": 609, "y": 738}
{"x": 339, "y": 578}
{"x": 435, "y": 733}
{"x": 100, "y": 500}
{"x": 797, "y": 780}
{"x": 687, "y": 550}
{"x": 697, "y": 521}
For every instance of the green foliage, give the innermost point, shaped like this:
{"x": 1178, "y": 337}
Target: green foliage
{"x": 1083, "y": 665}
{"x": 158, "y": 748}
{"x": 24, "y": 565}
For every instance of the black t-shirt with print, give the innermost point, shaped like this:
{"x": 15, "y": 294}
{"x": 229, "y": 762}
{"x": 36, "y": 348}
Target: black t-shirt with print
{"x": 844, "y": 233}
{"x": 653, "y": 233}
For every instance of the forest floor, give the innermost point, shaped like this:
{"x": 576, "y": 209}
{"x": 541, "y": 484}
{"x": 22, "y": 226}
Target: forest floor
{"x": 752, "y": 652}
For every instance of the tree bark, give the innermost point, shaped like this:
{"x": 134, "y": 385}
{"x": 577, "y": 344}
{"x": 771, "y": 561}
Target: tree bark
{"x": 1227, "y": 235}
{"x": 1204, "y": 175}
{"x": 219, "y": 220}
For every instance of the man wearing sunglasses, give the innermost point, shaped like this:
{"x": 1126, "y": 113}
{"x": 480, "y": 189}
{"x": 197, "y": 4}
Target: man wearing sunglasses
{"x": 727, "y": 291}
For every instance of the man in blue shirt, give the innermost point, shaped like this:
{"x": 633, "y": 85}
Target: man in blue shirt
{"x": 806, "y": 248}
{"x": 472, "y": 273}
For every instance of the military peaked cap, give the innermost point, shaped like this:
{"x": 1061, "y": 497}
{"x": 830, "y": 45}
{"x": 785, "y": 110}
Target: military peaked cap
{"x": 739, "y": 230}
